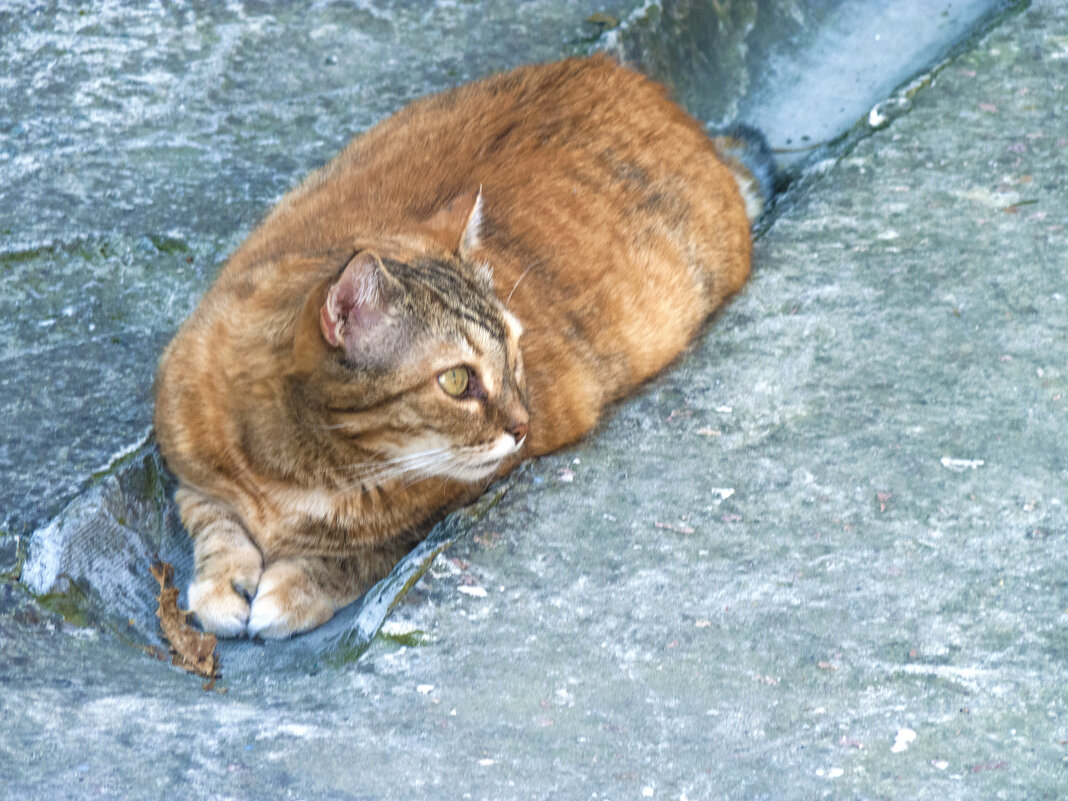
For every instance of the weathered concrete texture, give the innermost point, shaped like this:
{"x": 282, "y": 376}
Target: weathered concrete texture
{"x": 824, "y": 556}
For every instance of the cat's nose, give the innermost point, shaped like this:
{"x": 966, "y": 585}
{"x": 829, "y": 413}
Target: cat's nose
{"x": 518, "y": 429}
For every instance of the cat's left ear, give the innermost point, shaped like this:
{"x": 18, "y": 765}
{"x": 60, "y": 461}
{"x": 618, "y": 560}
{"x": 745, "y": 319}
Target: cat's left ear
{"x": 355, "y": 304}
{"x": 459, "y": 225}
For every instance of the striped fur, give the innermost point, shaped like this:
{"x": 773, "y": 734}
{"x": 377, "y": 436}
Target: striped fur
{"x": 560, "y": 232}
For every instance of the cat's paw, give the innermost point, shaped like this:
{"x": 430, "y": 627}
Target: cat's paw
{"x": 287, "y": 602}
{"x": 221, "y": 601}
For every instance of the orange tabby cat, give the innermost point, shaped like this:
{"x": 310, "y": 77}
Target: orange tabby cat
{"x": 467, "y": 284}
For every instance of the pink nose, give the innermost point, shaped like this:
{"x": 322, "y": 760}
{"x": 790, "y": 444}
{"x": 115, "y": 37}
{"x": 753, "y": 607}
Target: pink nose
{"x": 518, "y": 430}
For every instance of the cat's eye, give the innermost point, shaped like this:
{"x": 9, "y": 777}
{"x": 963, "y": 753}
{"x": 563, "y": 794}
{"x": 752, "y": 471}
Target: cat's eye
{"x": 455, "y": 381}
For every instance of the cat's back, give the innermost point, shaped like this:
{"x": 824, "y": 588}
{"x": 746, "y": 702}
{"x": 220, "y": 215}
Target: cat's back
{"x": 613, "y": 227}
{"x": 529, "y": 137}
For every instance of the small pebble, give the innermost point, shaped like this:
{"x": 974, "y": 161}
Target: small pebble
{"x": 901, "y": 742}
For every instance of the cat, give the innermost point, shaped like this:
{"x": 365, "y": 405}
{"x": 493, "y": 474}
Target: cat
{"x": 468, "y": 284}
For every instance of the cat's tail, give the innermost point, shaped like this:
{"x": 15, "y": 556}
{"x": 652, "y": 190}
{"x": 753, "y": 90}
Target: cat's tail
{"x": 747, "y": 154}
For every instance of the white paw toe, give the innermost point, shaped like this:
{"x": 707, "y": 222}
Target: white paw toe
{"x": 267, "y": 618}
{"x": 285, "y": 604}
{"x": 218, "y": 608}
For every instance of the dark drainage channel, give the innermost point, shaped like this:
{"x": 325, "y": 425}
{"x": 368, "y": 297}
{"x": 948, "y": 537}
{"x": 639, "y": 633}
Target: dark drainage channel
{"x": 807, "y": 72}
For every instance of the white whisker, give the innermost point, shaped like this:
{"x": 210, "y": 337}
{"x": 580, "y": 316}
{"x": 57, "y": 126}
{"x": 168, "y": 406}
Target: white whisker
{"x": 415, "y": 478}
{"x": 334, "y": 426}
{"x": 420, "y": 465}
{"x": 521, "y": 277}
{"x": 392, "y": 462}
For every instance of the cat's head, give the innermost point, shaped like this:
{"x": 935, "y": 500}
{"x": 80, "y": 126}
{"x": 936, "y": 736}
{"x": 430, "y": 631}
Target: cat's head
{"x": 416, "y": 369}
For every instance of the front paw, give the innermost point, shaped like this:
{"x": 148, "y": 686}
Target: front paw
{"x": 287, "y": 602}
{"x": 220, "y": 601}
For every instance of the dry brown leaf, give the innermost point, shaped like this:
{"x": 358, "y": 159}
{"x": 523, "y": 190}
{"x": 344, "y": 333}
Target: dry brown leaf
{"x": 191, "y": 649}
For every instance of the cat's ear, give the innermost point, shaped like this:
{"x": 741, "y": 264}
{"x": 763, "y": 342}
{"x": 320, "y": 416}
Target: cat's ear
{"x": 459, "y": 225}
{"x": 354, "y": 304}
{"x": 470, "y": 238}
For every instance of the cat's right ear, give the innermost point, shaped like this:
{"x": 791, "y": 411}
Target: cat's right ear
{"x": 354, "y": 303}
{"x": 458, "y": 226}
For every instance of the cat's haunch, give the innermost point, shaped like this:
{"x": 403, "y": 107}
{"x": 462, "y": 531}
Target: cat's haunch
{"x": 467, "y": 284}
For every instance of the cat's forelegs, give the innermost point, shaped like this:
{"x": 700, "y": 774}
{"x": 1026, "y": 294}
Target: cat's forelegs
{"x": 229, "y": 566}
{"x": 300, "y": 593}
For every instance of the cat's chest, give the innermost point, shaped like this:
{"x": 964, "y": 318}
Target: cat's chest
{"x": 296, "y": 504}
{"x": 277, "y": 515}
{"x": 331, "y": 522}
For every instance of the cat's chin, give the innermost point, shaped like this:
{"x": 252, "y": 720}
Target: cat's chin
{"x": 474, "y": 475}
{"x": 479, "y": 464}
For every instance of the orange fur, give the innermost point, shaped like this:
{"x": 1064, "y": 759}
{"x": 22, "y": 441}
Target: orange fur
{"x": 612, "y": 231}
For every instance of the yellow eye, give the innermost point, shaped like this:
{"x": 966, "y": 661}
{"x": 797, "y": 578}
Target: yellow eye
{"x": 454, "y": 381}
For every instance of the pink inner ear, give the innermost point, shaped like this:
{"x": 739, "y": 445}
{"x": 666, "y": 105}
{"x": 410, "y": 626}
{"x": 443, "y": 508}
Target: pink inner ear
{"x": 330, "y": 326}
{"x": 353, "y": 303}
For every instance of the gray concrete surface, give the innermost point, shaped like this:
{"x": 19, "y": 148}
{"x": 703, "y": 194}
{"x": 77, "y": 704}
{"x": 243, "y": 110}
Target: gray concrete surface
{"x": 823, "y": 556}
